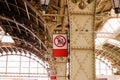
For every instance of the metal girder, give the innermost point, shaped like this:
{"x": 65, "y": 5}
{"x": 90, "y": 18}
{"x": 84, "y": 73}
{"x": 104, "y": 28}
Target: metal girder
{"x": 82, "y": 57}
{"x": 61, "y": 68}
{"x": 112, "y": 55}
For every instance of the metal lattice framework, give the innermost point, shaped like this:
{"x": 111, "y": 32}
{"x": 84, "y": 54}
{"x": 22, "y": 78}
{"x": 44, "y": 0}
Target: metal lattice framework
{"x": 25, "y": 25}
{"x": 32, "y": 28}
{"x": 9, "y": 51}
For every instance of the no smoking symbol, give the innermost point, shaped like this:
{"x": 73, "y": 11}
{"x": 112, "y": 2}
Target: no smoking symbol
{"x": 59, "y": 41}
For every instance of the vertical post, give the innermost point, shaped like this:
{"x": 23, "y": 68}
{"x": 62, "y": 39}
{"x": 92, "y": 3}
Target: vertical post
{"x": 61, "y": 68}
{"x": 82, "y": 58}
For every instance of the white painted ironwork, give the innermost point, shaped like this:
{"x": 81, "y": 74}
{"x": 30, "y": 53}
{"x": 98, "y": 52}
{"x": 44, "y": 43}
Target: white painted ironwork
{"x": 82, "y": 58}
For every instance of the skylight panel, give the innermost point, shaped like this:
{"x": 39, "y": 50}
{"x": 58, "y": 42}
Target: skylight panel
{"x": 7, "y": 39}
{"x": 111, "y": 25}
{"x": 109, "y": 29}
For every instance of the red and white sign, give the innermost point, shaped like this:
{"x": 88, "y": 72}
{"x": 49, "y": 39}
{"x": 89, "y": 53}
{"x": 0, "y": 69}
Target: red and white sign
{"x": 52, "y": 74}
{"x": 101, "y": 79}
{"x": 60, "y": 45}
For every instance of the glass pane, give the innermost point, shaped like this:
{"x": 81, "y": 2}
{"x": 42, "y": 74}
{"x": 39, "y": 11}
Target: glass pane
{"x": 3, "y": 59}
{"x": 2, "y": 64}
{"x": 24, "y": 59}
{"x": 14, "y": 58}
{"x": 33, "y": 70}
{"x": 2, "y": 70}
{"x": 103, "y": 72}
{"x": 24, "y": 70}
{"x": 13, "y": 70}
{"x": 103, "y": 67}
{"x": 33, "y": 64}
{"x": 41, "y": 70}
{"x": 109, "y": 72}
{"x": 25, "y": 64}
{"x": 13, "y": 64}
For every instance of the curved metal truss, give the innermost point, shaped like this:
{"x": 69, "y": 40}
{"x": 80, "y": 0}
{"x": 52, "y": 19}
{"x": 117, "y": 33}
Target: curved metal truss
{"x": 26, "y": 26}
{"x": 14, "y": 52}
{"x": 5, "y": 51}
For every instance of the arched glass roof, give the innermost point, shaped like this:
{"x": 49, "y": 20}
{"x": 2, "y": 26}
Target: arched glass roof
{"x": 107, "y": 35}
{"x": 22, "y": 66}
{"x": 104, "y": 66}
{"x": 108, "y": 31}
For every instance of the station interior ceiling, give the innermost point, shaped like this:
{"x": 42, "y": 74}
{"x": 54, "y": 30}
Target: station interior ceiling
{"x": 32, "y": 25}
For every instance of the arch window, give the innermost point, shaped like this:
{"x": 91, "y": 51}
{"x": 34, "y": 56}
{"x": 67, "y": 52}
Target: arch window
{"x": 104, "y": 67}
{"x": 22, "y": 66}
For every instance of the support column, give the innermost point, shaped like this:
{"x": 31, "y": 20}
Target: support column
{"x": 61, "y": 68}
{"x": 82, "y": 58}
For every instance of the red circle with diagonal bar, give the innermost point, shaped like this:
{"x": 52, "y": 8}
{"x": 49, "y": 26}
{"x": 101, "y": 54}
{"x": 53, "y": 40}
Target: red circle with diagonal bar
{"x": 59, "y": 41}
